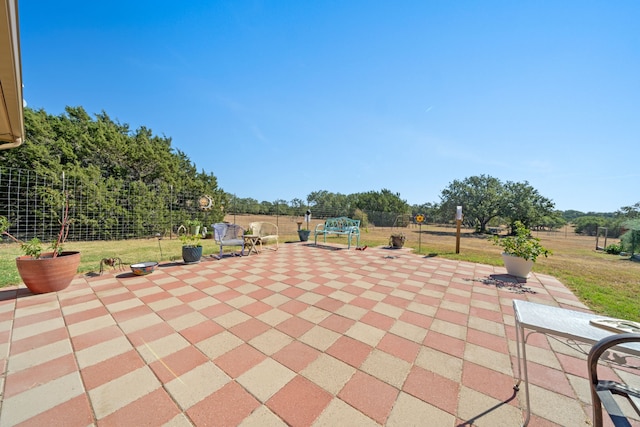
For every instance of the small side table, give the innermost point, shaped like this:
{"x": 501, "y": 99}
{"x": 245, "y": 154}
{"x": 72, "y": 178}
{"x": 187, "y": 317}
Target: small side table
{"x": 250, "y": 241}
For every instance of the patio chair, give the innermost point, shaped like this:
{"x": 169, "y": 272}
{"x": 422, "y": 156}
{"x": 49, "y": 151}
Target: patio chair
{"x": 267, "y": 232}
{"x": 228, "y": 235}
{"x": 603, "y": 391}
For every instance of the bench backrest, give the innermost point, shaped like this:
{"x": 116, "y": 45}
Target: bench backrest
{"x": 223, "y": 231}
{"x": 341, "y": 224}
{"x": 263, "y": 229}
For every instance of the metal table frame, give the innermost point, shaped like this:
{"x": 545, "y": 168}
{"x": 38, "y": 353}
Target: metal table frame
{"x": 569, "y": 324}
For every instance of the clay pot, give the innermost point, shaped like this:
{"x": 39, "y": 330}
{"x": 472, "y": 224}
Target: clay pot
{"x": 48, "y": 274}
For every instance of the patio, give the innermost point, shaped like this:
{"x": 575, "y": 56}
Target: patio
{"x": 302, "y": 336}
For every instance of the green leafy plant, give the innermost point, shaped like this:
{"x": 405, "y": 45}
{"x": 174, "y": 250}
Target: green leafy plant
{"x": 613, "y": 249}
{"x": 190, "y": 239}
{"x": 521, "y": 244}
{"x": 33, "y": 247}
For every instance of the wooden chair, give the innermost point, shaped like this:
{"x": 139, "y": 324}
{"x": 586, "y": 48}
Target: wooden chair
{"x": 267, "y": 232}
{"x": 228, "y": 235}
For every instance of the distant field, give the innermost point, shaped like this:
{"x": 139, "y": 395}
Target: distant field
{"x": 608, "y": 284}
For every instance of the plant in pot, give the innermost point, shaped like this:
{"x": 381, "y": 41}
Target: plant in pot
{"x": 303, "y": 233}
{"x": 396, "y": 241}
{"x": 191, "y": 248}
{"x": 50, "y": 271}
{"x": 520, "y": 250}
{"x": 193, "y": 226}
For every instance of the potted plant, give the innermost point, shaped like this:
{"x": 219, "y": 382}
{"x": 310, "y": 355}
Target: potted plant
{"x": 520, "y": 250}
{"x": 191, "y": 248}
{"x": 193, "y": 226}
{"x": 396, "y": 241}
{"x": 303, "y": 233}
{"x": 41, "y": 271}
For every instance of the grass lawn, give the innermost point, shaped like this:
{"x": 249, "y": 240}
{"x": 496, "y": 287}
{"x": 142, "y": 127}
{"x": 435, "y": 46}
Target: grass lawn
{"x": 608, "y": 284}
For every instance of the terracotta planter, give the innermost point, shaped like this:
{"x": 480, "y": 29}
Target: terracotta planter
{"x": 191, "y": 254}
{"x": 47, "y": 274}
{"x": 516, "y": 266}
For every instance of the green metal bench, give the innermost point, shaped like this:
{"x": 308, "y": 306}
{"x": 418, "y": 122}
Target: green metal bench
{"x": 341, "y": 225}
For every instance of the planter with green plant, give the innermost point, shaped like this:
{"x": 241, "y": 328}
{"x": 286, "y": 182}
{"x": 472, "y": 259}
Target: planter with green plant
{"x": 520, "y": 250}
{"x": 193, "y": 226}
{"x": 191, "y": 248}
{"x": 44, "y": 272}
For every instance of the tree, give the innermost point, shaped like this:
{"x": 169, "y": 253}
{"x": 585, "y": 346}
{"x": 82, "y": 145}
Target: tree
{"x": 481, "y": 198}
{"x": 524, "y": 203}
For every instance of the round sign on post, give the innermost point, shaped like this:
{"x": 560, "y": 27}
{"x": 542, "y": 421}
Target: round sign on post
{"x": 419, "y": 219}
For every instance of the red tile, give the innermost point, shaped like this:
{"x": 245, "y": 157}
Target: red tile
{"x": 382, "y": 289}
{"x": 192, "y": 296}
{"x": 201, "y": 331}
{"x": 445, "y": 343}
{"x": 370, "y": 396}
{"x": 261, "y": 294}
{"x": 74, "y": 412}
{"x": 354, "y": 290}
{"x": 178, "y": 363}
{"x": 350, "y": 351}
{"x": 27, "y": 378}
{"x": 337, "y": 323}
{"x": 95, "y": 375}
{"x": 150, "y": 333}
{"x": 378, "y": 320}
{"x": 551, "y": 379}
{"x": 249, "y": 329}
{"x": 293, "y": 306}
{"x": 416, "y": 319}
{"x": 293, "y": 292}
{"x": 227, "y": 295}
{"x": 399, "y": 347}
{"x": 329, "y": 304}
{"x": 39, "y": 340}
{"x": 294, "y": 326}
{"x": 433, "y": 388}
{"x": 396, "y": 301}
{"x": 363, "y": 302}
{"x": 153, "y": 409}
{"x": 256, "y": 308}
{"x": 487, "y": 381}
{"x": 216, "y": 310}
{"x": 81, "y": 316}
{"x": 175, "y": 311}
{"x": 131, "y": 313}
{"x": 94, "y": 337}
{"x": 226, "y": 407}
{"x": 299, "y": 402}
{"x": 452, "y": 316}
{"x": 239, "y": 360}
{"x": 19, "y": 322}
{"x": 119, "y": 297}
{"x": 573, "y": 365}
{"x": 296, "y": 356}
{"x": 158, "y": 296}
{"x": 487, "y": 340}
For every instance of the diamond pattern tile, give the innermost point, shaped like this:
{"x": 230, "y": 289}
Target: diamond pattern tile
{"x": 302, "y": 336}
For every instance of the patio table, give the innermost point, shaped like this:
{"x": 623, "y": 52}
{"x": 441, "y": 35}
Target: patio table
{"x": 545, "y": 319}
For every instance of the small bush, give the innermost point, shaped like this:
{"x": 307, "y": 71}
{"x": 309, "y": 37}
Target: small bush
{"x": 613, "y": 249}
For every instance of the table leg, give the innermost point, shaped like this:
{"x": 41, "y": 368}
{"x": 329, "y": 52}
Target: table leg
{"x": 521, "y": 343}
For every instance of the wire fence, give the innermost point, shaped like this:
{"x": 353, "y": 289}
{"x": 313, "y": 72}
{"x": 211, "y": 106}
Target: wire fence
{"x": 116, "y": 210}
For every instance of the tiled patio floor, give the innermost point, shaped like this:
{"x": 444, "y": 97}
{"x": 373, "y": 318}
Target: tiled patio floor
{"x": 302, "y": 336}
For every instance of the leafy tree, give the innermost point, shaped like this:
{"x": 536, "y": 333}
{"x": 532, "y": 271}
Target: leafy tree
{"x": 631, "y": 238}
{"x": 481, "y": 198}
{"x": 589, "y": 224}
{"x": 524, "y": 203}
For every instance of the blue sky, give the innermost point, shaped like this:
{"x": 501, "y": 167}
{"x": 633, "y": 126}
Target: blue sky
{"x": 281, "y": 98}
